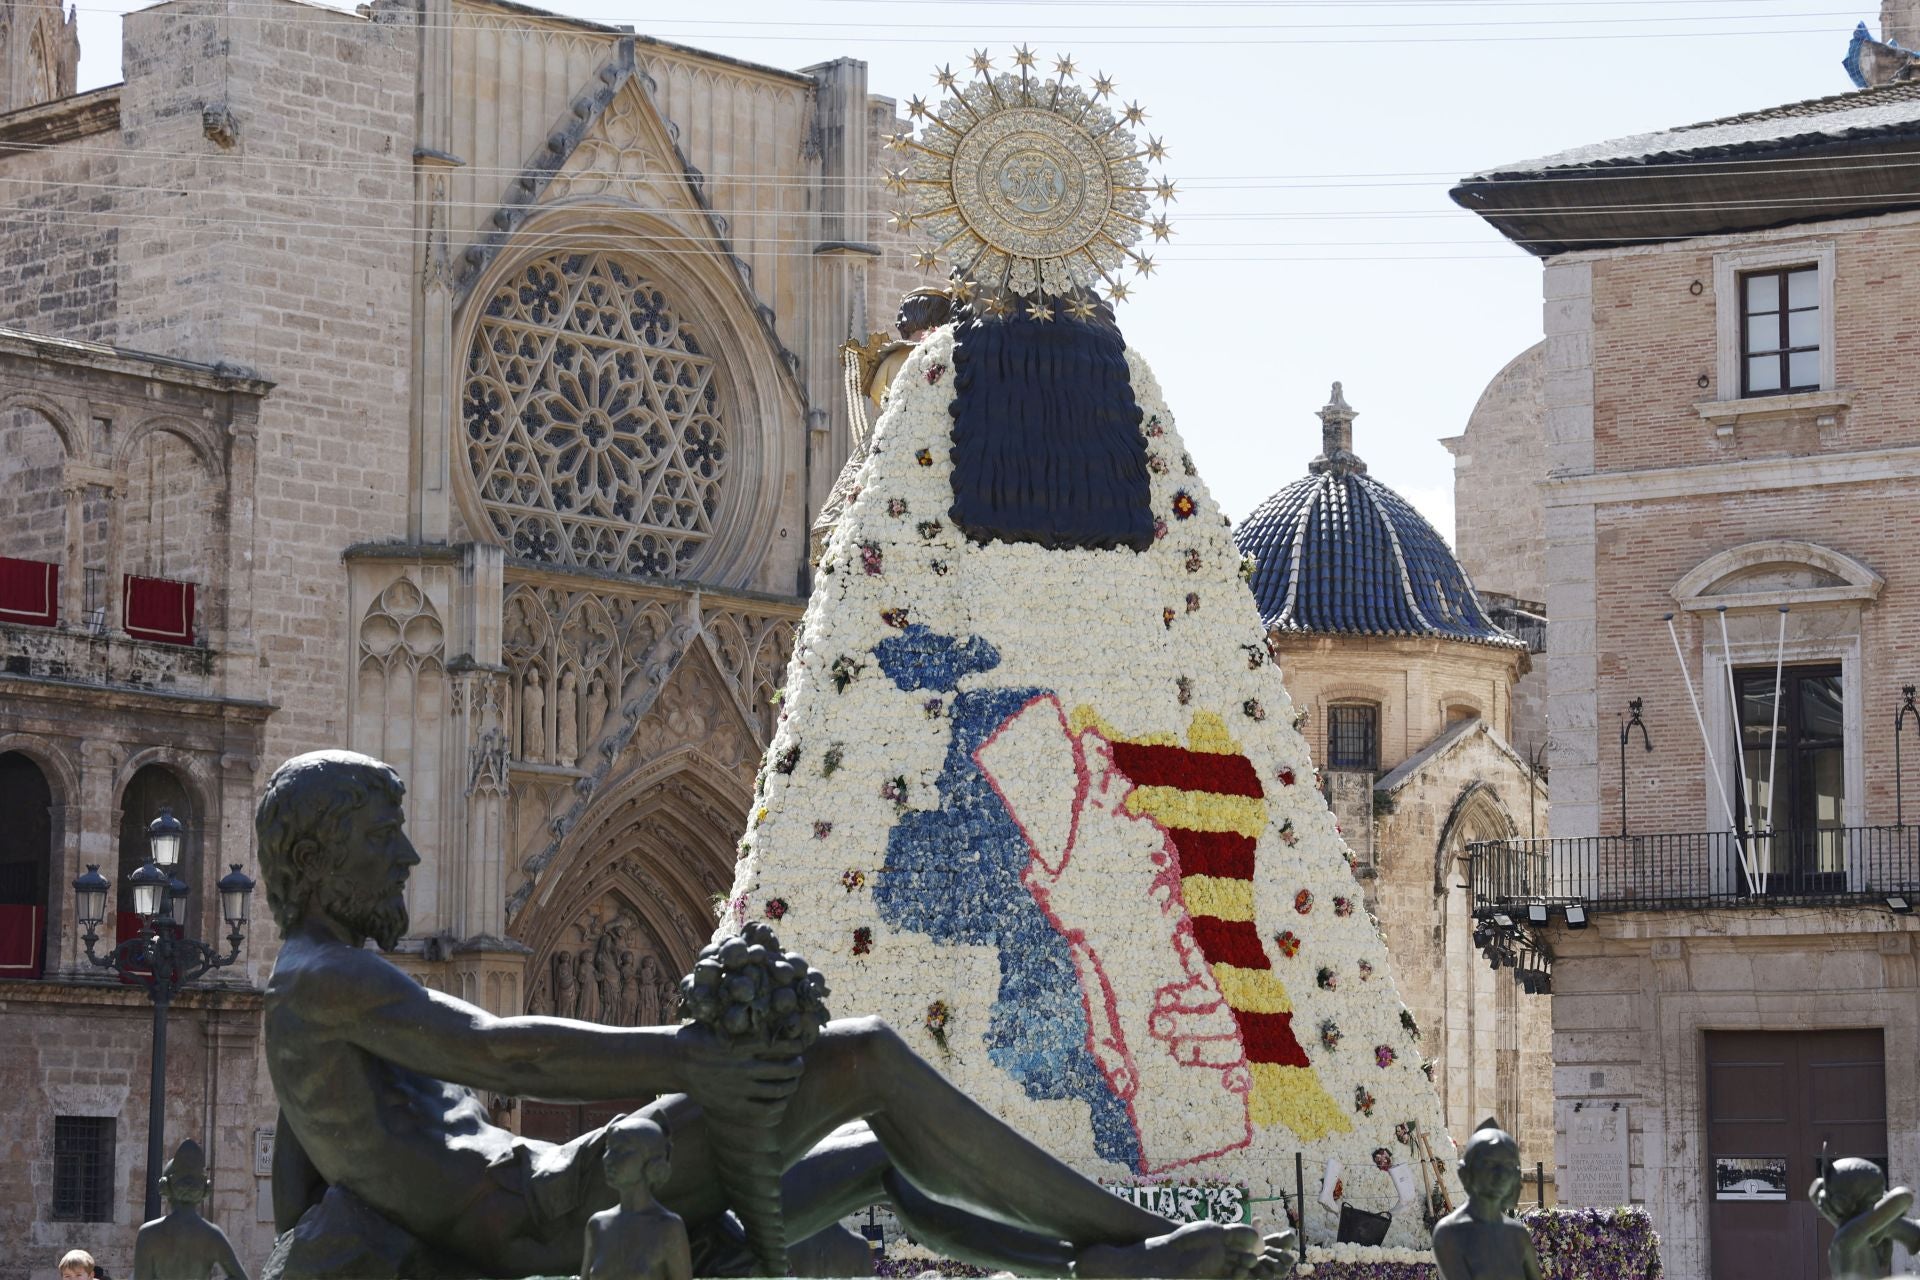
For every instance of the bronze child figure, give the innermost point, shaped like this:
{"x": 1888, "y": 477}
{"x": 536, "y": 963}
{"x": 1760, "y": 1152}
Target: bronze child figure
{"x": 183, "y": 1245}
{"x": 1481, "y": 1240}
{"x": 1868, "y": 1219}
{"x": 642, "y": 1239}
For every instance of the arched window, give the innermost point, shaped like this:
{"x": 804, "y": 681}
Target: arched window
{"x": 593, "y": 423}
{"x": 167, "y": 539}
{"x": 33, "y": 519}
{"x": 43, "y": 73}
{"x": 26, "y": 861}
{"x": 154, "y": 787}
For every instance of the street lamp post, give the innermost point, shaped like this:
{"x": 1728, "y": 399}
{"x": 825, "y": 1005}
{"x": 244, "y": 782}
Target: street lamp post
{"x": 160, "y": 956}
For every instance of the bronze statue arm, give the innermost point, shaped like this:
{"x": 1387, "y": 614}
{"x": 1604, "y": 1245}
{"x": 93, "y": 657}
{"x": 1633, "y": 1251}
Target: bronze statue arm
{"x": 554, "y": 1059}
{"x": 1874, "y": 1222}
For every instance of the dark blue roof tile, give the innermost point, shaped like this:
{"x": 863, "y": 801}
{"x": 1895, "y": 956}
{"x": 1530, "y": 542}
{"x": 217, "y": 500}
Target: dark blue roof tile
{"x": 1339, "y": 552}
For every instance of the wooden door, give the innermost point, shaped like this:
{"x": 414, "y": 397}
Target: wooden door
{"x": 1774, "y": 1100}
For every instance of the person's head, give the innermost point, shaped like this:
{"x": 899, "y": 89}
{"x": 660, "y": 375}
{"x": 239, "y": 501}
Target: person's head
{"x": 183, "y": 1179}
{"x": 1490, "y": 1165}
{"x": 76, "y": 1264}
{"x": 922, "y": 311}
{"x": 1854, "y": 1186}
{"x": 331, "y": 841}
{"x": 638, "y": 1149}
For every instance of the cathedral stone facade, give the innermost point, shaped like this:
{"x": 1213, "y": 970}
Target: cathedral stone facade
{"x": 450, "y": 381}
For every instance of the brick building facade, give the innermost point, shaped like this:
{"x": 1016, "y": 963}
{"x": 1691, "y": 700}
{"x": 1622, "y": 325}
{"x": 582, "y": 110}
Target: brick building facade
{"x": 1729, "y": 444}
{"x": 450, "y": 381}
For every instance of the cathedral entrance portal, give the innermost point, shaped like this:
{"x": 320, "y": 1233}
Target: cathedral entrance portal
{"x": 631, "y": 908}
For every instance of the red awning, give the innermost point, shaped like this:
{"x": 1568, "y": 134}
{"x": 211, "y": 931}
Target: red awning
{"x": 29, "y": 592}
{"x": 158, "y": 609}
{"x": 22, "y": 930}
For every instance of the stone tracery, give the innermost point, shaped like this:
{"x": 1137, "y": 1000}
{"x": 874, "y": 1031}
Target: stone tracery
{"x": 594, "y": 425}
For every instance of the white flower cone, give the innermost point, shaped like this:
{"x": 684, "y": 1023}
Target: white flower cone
{"x": 1059, "y": 794}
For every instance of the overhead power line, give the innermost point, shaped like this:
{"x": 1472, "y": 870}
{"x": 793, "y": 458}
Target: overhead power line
{"x": 1076, "y": 29}
{"x": 1360, "y": 33}
{"x": 1762, "y": 166}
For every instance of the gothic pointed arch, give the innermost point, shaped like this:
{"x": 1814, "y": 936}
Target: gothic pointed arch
{"x": 1476, "y": 814}
{"x": 633, "y": 894}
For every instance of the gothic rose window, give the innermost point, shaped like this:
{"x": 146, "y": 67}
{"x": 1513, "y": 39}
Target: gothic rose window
{"x": 592, "y": 422}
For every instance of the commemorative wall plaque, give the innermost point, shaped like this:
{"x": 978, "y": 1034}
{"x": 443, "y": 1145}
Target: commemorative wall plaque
{"x": 1596, "y": 1155}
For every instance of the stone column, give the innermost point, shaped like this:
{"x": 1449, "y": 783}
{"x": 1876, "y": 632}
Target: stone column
{"x": 239, "y": 671}
{"x": 841, "y": 254}
{"x": 97, "y": 825}
{"x": 63, "y": 934}
{"x": 116, "y": 553}
{"x": 232, "y": 841}
{"x": 73, "y": 587}
{"x": 435, "y": 391}
{"x": 477, "y": 749}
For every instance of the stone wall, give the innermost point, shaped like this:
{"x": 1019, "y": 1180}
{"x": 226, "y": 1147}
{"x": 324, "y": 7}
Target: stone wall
{"x": 1634, "y": 993}
{"x": 59, "y": 271}
{"x": 1499, "y": 461}
{"x": 31, "y": 504}
{"x": 1499, "y": 502}
{"x": 1491, "y": 1041}
{"x": 74, "y": 1051}
{"x": 301, "y": 271}
{"x": 1420, "y": 685}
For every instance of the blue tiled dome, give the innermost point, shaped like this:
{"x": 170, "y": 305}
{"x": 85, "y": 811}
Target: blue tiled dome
{"x": 1339, "y": 552}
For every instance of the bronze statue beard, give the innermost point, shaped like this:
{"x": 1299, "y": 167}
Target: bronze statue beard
{"x": 373, "y": 911}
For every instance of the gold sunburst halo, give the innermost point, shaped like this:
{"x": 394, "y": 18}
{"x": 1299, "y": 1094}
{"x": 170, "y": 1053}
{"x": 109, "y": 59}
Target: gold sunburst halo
{"x": 1030, "y": 188}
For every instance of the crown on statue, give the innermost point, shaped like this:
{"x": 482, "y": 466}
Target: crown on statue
{"x": 1030, "y": 186}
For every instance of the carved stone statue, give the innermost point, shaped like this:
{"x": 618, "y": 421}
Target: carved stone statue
{"x": 387, "y": 1165}
{"x": 1868, "y": 1219}
{"x": 668, "y": 993}
{"x": 585, "y": 1007}
{"x": 606, "y": 972}
{"x": 533, "y": 719}
{"x": 650, "y": 1012}
{"x": 642, "y": 1239}
{"x": 629, "y": 991}
{"x": 566, "y": 986}
{"x": 183, "y": 1245}
{"x": 566, "y": 716}
{"x": 1482, "y": 1240}
{"x": 596, "y": 709}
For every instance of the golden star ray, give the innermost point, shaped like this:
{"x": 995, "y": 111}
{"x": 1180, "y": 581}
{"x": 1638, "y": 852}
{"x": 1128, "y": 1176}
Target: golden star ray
{"x": 1041, "y": 192}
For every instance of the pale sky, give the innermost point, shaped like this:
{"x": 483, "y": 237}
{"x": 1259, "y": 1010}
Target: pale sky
{"x": 1313, "y": 143}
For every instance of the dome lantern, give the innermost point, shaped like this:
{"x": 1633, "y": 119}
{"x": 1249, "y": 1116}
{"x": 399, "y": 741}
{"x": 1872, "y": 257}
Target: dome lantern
{"x": 1336, "y": 437}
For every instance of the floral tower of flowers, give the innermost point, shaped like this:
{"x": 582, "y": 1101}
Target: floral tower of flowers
{"x": 1036, "y": 796}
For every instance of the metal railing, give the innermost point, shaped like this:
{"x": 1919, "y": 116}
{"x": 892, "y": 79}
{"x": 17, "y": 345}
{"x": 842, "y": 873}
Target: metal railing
{"x": 1834, "y": 866}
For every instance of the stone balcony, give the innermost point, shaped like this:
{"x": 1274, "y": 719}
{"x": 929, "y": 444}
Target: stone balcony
{"x": 111, "y": 661}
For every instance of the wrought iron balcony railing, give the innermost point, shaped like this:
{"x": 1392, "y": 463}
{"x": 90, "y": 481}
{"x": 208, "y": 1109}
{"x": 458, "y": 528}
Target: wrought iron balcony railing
{"x": 1832, "y": 866}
